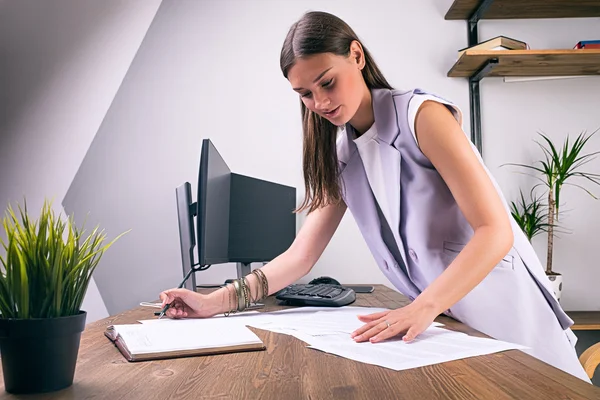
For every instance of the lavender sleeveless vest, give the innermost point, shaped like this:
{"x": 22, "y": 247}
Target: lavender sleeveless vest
{"x": 432, "y": 227}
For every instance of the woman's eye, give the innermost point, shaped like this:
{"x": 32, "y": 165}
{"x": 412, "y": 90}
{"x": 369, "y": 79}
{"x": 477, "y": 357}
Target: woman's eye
{"x": 305, "y": 94}
{"x": 328, "y": 83}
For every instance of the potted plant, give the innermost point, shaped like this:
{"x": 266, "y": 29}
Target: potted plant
{"x": 558, "y": 168}
{"x": 531, "y": 215}
{"x": 44, "y": 275}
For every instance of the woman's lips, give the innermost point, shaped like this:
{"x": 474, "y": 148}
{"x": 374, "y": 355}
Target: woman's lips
{"x": 333, "y": 113}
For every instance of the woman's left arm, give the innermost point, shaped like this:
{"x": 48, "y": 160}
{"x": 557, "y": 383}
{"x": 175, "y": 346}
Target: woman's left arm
{"x": 444, "y": 143}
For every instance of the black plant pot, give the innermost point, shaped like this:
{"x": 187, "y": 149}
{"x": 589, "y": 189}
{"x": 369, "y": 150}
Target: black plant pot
{"x": 39, "y": 354}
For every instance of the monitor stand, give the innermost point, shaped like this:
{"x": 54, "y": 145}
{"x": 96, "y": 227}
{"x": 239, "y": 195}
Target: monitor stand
{"x": 243, "y": 269}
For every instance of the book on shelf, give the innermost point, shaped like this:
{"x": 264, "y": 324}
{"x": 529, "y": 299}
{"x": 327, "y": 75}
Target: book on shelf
{"x": 497, "y": 43}
{"x": 172, "y": 339}
{"x": 588, "y": 44}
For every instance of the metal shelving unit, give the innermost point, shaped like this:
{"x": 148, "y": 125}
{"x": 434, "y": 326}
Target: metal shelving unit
{"x": 475, "y": 65}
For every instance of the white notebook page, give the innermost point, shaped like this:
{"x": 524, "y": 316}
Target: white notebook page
{"x": 154, "y": 338}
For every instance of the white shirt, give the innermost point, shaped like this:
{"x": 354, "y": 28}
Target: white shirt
{"x": 368, "y": 149}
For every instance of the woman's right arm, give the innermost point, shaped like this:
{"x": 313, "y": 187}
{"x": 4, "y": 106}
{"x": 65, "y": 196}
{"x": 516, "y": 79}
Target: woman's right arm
{"x": 294, "y": 263}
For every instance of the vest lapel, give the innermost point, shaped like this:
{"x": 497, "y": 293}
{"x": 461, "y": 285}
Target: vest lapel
{"x": 360, "y": 200}
{"x": 357, "y": 192}
{"x": 388, "y": 130}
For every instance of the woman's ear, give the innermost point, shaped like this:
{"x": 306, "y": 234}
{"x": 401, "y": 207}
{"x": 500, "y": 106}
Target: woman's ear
{"x": 357, "y": 54}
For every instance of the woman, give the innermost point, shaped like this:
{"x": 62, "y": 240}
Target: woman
{"x": 430, "y": 212}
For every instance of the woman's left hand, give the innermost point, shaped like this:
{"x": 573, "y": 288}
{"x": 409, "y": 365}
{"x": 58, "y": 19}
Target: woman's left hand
{"x": 411, "y": 321}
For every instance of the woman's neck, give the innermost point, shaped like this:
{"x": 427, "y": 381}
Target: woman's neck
{"x": 364, "y": 117}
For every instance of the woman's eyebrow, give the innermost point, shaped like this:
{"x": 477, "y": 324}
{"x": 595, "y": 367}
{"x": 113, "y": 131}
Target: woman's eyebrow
{"x": 317, "y": 78}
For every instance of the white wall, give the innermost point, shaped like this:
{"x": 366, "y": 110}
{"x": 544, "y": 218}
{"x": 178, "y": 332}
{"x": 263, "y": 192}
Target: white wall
{"x": 62, "y": 62}
{"x": 210, "y": 69}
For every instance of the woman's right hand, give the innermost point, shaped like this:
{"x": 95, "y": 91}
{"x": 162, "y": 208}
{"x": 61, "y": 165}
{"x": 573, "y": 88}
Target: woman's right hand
{"x": 187, "y": 304}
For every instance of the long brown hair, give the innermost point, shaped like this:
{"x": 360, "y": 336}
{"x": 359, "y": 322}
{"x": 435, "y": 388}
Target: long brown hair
{"x": 320, "y": 32}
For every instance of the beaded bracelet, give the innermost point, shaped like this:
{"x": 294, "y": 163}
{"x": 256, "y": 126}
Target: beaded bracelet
{"x": 260, "y": 290}
{"x": 232, "y": 310}
{"x": 247, "y": 294}
{"x": 253, "y": 300}
{"x": 263, "y": 281}
{"x": 240, "y": 295}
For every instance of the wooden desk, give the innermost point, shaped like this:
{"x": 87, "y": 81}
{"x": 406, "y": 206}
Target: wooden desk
{"x": 585, "y": 320}
{"x": 289, "y": 370}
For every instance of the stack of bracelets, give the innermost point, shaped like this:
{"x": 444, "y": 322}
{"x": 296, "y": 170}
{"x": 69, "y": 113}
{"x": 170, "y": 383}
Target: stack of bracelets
{"x": 241, "y": 297}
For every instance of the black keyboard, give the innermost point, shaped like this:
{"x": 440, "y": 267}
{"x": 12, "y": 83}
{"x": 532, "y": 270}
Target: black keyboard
{"x": 322, "y": 295}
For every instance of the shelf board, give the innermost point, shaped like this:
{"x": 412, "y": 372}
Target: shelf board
{"x": 529, "y": 62}
{"x": 520, "y": 9}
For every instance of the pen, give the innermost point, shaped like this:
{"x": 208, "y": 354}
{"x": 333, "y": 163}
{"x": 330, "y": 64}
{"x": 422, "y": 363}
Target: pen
{"x": 166, "y": 307}
{"x": 164, "y": 310}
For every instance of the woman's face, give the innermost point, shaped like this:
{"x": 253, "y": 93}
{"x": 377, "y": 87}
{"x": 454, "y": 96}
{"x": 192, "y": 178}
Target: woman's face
{"x": 330, "y": 85}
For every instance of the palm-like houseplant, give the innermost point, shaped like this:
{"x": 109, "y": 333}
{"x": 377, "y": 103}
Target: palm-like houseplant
{"x": 531, "y": 214}
{"x": 44, "y": 275}
{"x": 558, "y": 168}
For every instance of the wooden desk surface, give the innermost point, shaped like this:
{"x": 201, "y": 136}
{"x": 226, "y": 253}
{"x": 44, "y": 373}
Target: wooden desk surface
{"x": 585, "y": 320}
{"x": 289, "y": 370}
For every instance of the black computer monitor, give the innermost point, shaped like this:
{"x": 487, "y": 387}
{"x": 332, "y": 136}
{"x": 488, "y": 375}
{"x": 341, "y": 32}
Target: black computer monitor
{"x": 238, "y": 218}
{"x": 262, "y": 224}
{"x": 212, "y": 216}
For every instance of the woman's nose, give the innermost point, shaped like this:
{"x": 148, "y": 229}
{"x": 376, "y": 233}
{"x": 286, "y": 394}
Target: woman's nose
{"x": 322, "y": 102}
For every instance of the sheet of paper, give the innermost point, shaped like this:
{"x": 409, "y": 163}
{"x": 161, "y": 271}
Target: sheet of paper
{"x": 321, "y": 320}
{"x": 316, "y": 320}
{"x": 329, "y": 331}
{"x": 290, "y": 313}
{"x": 325, "y": 322}
{"x": 194, "y": 321}
{"x": 434, "y": 346}
{"x": 151, "y": 338}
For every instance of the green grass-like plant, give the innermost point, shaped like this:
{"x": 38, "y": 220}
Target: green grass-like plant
{"x": 47, "y": 265}
{"x": 560, "y": 167}
{"x": 530, "y": 214}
